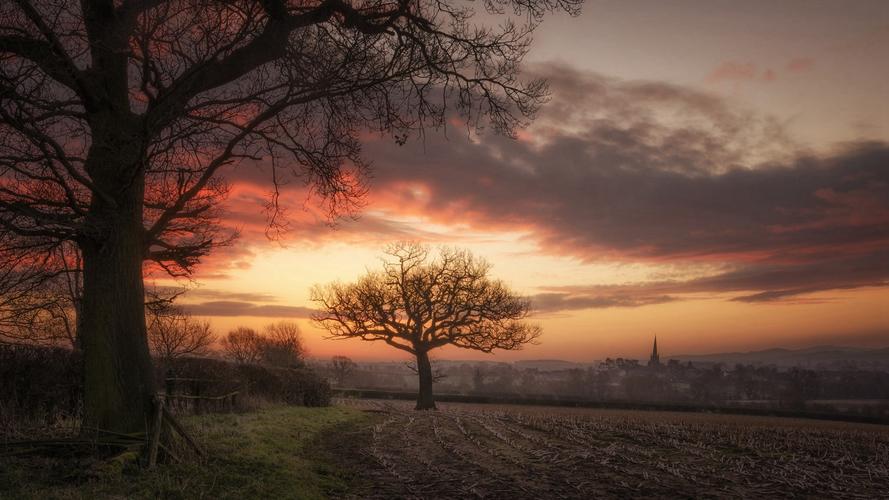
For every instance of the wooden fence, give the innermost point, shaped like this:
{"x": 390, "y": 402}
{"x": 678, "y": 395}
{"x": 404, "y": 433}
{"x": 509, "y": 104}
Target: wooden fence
{"x": 174, "y": 400}
{"x": 189, "y": 395}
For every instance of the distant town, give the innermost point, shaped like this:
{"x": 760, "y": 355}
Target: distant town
{"x": 830, "y": 379}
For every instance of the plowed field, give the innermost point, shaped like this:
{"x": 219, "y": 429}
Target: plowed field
{"x": 485, "y": 451}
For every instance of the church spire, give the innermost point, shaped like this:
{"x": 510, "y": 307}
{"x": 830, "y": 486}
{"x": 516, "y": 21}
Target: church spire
{"x": 655, "y": 358}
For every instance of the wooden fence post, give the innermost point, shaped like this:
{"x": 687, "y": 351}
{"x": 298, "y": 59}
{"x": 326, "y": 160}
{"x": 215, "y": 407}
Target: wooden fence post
{"x": 197, "y": 400}
{"x": 155, "y": 430}
{"x": 170, "y": 385}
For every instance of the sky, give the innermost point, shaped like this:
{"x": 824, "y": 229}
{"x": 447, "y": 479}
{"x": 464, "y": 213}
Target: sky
{"x": 715, "y": 173}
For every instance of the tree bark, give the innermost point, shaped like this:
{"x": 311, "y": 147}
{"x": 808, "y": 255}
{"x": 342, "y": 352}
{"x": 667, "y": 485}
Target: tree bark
{"x": 118, "y": 377}
{"x": 425, "y": 400}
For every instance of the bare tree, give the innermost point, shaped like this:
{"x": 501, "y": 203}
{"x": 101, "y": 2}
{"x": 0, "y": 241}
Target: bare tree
{"x": 117, "y": 118}
{"x": 243, "y": 345}
{"x": 342, "y": 367}
{"x": 418, "y": 303}
{"x": 39, "y": 293}
{"x": 282, "y": 345}
{"x": 173, "y": 333}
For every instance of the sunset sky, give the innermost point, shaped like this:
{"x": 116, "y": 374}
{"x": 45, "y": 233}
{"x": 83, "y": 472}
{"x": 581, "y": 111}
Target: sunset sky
{"x": 715, "y": 173}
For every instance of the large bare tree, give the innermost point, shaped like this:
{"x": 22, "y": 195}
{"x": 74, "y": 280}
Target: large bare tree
{"x": 173, "y": 333}
{"x": 117, "y": 118}
{"x": 418, "y": 303}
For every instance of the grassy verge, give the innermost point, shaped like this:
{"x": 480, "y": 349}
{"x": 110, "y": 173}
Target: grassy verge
{"x": 271, "y": 453}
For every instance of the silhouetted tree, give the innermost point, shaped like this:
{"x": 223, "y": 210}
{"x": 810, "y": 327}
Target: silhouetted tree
{"x": 478, "y": 379}
{"x": 242, "y": 345}
{"x": 117, "y": 117}
{"x": 282, "y": 345}
{"x": 342, "y": 367}
{"x": 418, "y": 303}
{"x": 528, "y": 381}
{"x": 173, "y": 333}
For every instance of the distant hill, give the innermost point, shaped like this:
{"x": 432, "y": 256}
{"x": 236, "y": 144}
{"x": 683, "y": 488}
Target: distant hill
{"x": 810, "y": 356}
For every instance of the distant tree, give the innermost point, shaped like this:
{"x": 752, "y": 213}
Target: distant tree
{"x": 800, "y": 385}
{"x": 282, "y": 345}
{"x": 478, "y": 379}
{"x": 503, "y": 380}
{"x": 118, "y": 117}
{"x": 342, "y": 367}
{"x": 418, "y": 303}
{"x": 645, "y": 385}
{"x": 576, "y": 383}
{"x": 243, "y": 345}
{"x": 528, "y": 381}
{"x": 600, "y": 380}
{"x": 173, "y": 333}
{"x": 709, "y": 384}
{"x": 627, "y": 364}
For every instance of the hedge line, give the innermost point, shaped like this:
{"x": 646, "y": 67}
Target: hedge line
{"x": 41, "y": 387}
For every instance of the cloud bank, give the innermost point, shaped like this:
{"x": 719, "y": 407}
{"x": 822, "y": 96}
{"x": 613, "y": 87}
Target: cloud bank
{"x": 641, "y": 172}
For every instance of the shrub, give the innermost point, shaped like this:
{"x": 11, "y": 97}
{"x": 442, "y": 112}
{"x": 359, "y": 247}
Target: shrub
{"x": 39, "y": 387}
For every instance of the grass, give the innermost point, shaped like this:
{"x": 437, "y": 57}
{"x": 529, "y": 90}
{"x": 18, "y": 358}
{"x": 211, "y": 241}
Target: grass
{"x": 277, "y": 452}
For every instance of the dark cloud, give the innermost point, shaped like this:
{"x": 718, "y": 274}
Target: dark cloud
{"x": 209, "y": 293}
{"x": 594, "y": 299}
{"x": 751, "y": 283}
{"x": 589, "y": 198}
{"x": 242, "y": 308}
{"x": 212, "y": 302}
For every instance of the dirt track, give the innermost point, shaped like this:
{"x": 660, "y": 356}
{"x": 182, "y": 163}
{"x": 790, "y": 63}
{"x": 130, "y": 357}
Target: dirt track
{"x": 478, "y": 451}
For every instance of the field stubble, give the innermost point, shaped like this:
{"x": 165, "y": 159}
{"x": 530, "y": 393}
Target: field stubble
{"x": 487, "y": 451}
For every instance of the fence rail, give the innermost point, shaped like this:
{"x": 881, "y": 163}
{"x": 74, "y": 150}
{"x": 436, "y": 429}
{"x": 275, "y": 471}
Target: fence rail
{"x": 196, "y": 401}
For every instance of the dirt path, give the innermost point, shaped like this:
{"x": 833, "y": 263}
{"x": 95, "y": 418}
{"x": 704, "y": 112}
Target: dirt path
{"x": 474, "y": 451}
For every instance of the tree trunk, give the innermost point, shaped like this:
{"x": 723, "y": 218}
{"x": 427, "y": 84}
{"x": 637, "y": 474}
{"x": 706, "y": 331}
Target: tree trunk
{"x": 425, "y": 400}
{"x": 117, "y": 369}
